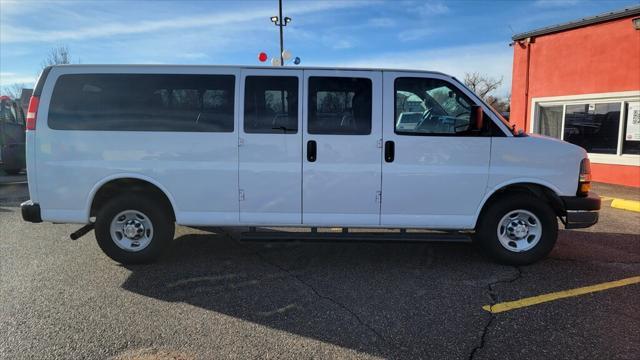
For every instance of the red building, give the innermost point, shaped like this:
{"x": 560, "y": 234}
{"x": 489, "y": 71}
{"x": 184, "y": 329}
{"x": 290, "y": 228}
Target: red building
{"x": 580, "y": 82}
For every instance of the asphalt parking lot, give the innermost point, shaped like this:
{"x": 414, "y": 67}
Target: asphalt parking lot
{"x": 215, "y": 296}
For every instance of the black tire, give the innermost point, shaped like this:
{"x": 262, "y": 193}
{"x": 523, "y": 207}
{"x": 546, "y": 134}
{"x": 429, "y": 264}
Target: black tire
{"x": 158, "y": 214}
{"x": 12, "y": 171}
{"x": 487, "y": 229}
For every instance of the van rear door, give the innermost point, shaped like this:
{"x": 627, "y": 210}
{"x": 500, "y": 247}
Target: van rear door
{"x": 341, "y": 144}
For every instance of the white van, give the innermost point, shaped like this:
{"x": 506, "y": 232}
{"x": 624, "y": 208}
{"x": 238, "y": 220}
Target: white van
{"x": 135, "y": 149}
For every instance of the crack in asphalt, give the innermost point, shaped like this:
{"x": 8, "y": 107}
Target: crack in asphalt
{"x": 492, "y": 317}
{"x": 318, "y": 294}
{"x": 517, "y": 276}
{"x": 313, "y": 290}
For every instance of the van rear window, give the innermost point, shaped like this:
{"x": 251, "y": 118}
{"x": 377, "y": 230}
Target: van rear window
{"x": 143, "y": 102}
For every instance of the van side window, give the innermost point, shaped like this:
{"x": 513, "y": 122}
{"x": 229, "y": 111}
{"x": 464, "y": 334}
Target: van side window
{"x": 143, "y": 102}
{"x": 339, "y": 106}
{"x": 426, "y": 106}
{"x": 271, "y": 104}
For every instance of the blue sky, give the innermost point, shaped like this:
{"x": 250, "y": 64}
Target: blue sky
{"x": 449, "y": 36}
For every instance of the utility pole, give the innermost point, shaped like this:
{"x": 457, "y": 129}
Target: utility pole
{"x": 281, "y": 23}
{"x": 281, "y": 33}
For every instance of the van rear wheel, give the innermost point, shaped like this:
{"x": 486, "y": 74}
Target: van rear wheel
{"x": 517, "y": 229}
{"x": 134, "y": 229}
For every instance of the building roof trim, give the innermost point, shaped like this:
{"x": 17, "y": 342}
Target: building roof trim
{"x": 608, "y": 16}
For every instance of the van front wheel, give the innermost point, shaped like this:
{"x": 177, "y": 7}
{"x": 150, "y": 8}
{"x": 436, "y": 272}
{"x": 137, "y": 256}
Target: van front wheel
{"x": 517, "y": 229}
{"x": 134, "y": 229}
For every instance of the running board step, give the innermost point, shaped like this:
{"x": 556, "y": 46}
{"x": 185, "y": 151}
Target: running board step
{"x": 353, "y": 236}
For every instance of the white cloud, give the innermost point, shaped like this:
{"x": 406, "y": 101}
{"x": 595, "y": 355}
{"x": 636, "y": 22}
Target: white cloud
{"x": 16, "y": 7}
{"x": 433, "y": 8}
{"x": 193, "y": 55}
{"x": 493, "y": 59}
{"x": 8, "y": 78}
{"x": 381, "y": 22}
{"x": 556, "y": 3}
{"x": 414, "y": 34}
{"x": 341, "y": 44}
{"x": 15, "y": 34}
{"x": 338, "y": 42}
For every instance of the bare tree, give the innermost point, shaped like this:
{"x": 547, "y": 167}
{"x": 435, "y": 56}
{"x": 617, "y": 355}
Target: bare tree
{"x": 483, "y": 86}
{"x": 501, "y": 105}
{"x": 13, "y": 91}
{"x": 57, "y": 55}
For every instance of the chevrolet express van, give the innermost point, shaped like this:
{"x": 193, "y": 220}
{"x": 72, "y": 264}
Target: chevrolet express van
{"x": 133, "y": 150}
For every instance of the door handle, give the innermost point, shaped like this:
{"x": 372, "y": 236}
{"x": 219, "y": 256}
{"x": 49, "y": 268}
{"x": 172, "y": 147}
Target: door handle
{"x": 311, "y": 150}
{"x": 389, "y": 151}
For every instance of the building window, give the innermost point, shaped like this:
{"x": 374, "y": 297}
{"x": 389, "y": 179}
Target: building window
{"x": 550, "y": 122}
{"x": 593, "y": 126}
{"x": 607, "y": 127}
{"x": 631, "y": 144}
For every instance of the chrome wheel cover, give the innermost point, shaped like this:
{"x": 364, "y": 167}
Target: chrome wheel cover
{"x": 519, "y": 230}
{"x": 131, "y": 230}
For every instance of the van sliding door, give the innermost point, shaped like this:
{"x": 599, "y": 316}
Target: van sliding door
{"x": 342, "y": 132}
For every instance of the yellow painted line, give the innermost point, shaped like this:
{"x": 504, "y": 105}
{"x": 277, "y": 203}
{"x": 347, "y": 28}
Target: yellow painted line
{"x": 630, "y": 205}
{"x": 512, "y": 305}
{"x": 606, "y": 198}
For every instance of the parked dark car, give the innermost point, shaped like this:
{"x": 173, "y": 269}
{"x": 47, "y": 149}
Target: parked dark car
{"x": 12, "y": 136}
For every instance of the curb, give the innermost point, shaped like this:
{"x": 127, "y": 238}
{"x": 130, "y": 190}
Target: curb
{"x": 622, "y": 204}
{"x": 629, "y": 205}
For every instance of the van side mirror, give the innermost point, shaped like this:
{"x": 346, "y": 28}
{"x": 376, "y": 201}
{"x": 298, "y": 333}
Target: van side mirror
{"x": 477, "y": 117}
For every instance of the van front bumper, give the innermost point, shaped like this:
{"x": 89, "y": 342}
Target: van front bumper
{"x": 582, "y": 212}
{"x": 30, "y": 212}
